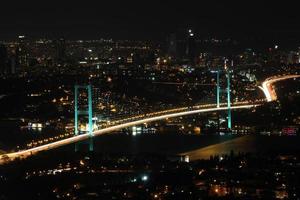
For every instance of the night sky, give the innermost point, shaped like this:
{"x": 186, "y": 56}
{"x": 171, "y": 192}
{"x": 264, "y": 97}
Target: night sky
{"x": 147, "y": 19}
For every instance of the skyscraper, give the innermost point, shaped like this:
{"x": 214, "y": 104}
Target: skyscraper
{"x": 190, "y": 50}
{"x": 14, "y": 62}
{"x": 3, "y": 59}
{"x": 21, "y": 53}
{"x": 172, "y": 45}
{"x": 61, "y": 51}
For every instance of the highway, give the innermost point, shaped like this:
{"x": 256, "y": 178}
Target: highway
{"x": 146, "y": 118}
{"x": 267, "y": 86}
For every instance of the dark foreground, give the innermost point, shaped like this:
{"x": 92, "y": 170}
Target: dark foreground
{"x": 67, "y": 175}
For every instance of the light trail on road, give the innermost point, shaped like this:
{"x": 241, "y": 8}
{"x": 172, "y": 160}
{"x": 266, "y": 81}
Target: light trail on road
{"x": 267, "y": 86}
{"x": 74, "y": 139}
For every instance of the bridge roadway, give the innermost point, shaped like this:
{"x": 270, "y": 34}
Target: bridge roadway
{"x": 133, "y": 121}
{"x": 267, "y": 85}
{"x": 267, "y": 88}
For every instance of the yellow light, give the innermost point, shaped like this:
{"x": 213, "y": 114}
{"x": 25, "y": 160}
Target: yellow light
{"x": 81, "y": 162}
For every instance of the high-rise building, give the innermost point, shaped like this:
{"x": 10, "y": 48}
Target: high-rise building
{"x": 3, "y": 59}
{"x": 22, "y": 54}
{"x": 13, "y": 64}
{"x": 61, "y": 51}
{"x": 190, "y": 50}
{"x": 136, "y": 58}
{"x": 96, "y": 96}
{"x": 172, "y": 45}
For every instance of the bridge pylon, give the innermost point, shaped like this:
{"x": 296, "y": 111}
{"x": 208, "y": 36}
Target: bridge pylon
{"x": 85, "y": 112}
{"x": 218, "y": 89}
{"x": 228, "y": 96}
{"x": 227, "y": 91}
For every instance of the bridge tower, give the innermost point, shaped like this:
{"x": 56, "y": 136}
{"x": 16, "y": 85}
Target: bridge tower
{"x": 227, "y": 90}
{"x": 218, "y": 88}
{"x": 228, "y": 95}
{"x": 87, "y": 112}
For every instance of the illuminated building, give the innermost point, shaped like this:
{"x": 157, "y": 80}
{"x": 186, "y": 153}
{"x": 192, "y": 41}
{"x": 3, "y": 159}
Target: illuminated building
{"x": 190, "y": 50}
{"x": 21, "y": 53}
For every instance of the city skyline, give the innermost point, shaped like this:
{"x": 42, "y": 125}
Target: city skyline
{"x": 154, "y": 100}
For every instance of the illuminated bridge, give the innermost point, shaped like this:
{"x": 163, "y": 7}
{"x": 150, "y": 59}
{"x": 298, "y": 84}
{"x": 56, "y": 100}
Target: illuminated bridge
{"x": 128, "y": 122}
{"x": 267, "y": 88}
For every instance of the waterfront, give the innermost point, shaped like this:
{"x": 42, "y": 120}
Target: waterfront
{"x": 249, "y": 144}
{"x": 195, "y": 146}
{"x": 138, "y": 167}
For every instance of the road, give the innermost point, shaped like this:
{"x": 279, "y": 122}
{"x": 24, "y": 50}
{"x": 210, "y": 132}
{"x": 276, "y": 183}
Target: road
{"x": 267, "y": 86}
{"x": 136, "y": 121}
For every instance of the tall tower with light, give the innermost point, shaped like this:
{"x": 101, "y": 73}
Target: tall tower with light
{"x": 190, "y": 50}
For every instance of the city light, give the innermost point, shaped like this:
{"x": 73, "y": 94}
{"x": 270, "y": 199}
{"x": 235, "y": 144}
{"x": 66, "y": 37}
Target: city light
{"x": 152, "y": 100}
{"x": 145, "y": 178}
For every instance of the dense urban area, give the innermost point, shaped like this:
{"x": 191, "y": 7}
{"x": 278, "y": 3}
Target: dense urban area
{"x": 132, "y": 79}
{"x": 129, "y": 78}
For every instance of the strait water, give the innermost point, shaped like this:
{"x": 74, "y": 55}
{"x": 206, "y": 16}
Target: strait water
{"x": 196, "y": 147}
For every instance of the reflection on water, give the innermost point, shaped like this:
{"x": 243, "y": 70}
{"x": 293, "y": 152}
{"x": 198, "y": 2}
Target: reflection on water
{"x": 245, "y": 144}
{"x": 196, "y": 147}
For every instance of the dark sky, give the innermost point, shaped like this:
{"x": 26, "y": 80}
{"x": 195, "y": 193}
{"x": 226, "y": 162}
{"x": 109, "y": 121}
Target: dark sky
{"x": 145, "y": 19}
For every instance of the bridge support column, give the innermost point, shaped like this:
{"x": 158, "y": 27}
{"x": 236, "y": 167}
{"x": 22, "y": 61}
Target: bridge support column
{"x": 218, "y": 89}
{"x": 228, "y": 100}
{"x": 88, "y": 112}
{"x": 76, "y": 113}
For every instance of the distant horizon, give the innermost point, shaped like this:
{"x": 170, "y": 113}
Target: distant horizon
{"x": 255, "y": 42}
{"x": 148, "y": 20}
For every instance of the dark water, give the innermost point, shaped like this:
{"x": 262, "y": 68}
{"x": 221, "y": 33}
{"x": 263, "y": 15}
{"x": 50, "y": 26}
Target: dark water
{"x": 197, "y": 147}
{"x": 157, "y": 144}
{"x": 12, "y": 136}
